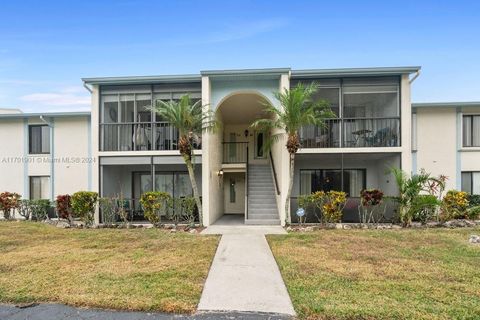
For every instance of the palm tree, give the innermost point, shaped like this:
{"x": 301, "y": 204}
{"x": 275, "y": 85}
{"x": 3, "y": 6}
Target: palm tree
{"x": 410, "y": 190}
{"x": 297, "y": 109}
{"x": 191, "y": 121}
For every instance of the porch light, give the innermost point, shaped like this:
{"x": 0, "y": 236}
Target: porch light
{"x": 220, "y": 173}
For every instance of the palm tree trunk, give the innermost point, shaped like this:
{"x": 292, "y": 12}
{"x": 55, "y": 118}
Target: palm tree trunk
{"x": 191, "y": 174}
{"x": 290, "y": 186}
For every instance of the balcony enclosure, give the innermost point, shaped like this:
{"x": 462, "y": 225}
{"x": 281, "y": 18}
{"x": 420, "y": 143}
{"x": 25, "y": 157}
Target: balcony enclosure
{"x": 350, "y": 173}
{"x": 127, "y": 122}
{"x": 127, "y": 182}
{"x": 367, "y": 114}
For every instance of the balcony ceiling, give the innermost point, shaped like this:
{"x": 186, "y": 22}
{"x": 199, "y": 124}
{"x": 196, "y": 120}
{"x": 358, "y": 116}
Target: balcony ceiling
{"x": 242, "y": 108}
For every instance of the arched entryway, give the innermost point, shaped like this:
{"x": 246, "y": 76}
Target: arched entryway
{"x": 248, "y": 190}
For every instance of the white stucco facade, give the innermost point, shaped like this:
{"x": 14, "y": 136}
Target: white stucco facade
{"x": 67, "y": 164}
{"x": 100, "y": 150}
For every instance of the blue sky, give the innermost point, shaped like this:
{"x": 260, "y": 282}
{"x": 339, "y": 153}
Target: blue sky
{"x": 47, "y": 46}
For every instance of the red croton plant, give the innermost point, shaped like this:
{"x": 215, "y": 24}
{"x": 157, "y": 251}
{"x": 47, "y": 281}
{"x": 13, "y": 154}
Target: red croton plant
{"x": 63, "y": 206}
{"x": 371, "y": 197}
{"x": 8, "y": 202}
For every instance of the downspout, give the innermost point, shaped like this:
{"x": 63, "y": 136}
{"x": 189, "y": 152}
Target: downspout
{"x": 87, "y": 87}
{"x": 414, "y": 77}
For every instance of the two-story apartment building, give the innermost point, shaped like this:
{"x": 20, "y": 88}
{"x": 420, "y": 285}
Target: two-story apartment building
{"x": 133, "y": 150}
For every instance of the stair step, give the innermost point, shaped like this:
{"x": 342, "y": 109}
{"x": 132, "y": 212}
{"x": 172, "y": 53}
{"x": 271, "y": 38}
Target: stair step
{"x": 263, "y": 216}
{"x": 266, "y": 222}
{"x": 254, "y": 211}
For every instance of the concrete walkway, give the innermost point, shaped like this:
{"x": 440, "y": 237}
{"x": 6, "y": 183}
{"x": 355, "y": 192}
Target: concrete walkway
{"x": 244, "y": 275}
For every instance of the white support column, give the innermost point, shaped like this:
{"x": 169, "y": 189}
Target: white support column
{"x": 282, "y": 159}
{"x": 94, "y": 132}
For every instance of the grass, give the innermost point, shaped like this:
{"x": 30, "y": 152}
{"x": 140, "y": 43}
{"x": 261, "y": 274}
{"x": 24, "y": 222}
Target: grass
{"x": 131, "y": 269}
{"x": 381, "y": 274}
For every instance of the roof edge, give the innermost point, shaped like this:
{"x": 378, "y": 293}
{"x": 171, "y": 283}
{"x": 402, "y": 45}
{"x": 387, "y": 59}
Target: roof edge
{"x": 46, "y": 114}
{"x": 355, "y": 71}
{"x": 142, "y": 79}
{"x": 233, "y": 72}
{"x": 446, "y": 104}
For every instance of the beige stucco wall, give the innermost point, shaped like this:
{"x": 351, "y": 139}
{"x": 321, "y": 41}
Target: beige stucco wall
{"x": 437, "y": 142}
{"x": 11, "y": 156}
{"x": 71, "y": 153}
{"x": 66, "y": 165}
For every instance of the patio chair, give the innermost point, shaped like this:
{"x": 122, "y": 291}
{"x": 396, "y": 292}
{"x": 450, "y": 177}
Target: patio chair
{"x": 384, "y": 137}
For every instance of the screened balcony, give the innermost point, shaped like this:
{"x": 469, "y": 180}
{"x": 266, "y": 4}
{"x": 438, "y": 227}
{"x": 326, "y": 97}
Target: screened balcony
{"x": 353, "y": 133}
{"x": 128, "y": 123}
{"x": 367, "y": 114}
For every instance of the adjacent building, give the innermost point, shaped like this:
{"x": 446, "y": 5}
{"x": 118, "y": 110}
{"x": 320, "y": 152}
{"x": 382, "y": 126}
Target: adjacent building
{"x": 123, "y": 148}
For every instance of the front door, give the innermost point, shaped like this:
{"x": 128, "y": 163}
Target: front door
{"x": 234, "y": 193}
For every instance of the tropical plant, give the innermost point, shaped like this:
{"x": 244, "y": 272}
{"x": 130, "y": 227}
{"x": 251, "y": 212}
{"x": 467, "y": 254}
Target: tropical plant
{"x": 24, "y": 208}
{"x": 332, "y": 210}
{"x": 39, "y": 209}
{"x": 155, "y": 204}
{"x": 109, "y": 207}
{"x": 9, "y": 201}
{"x": 410, "y": 188}
{"x": 424, "y": 207}
{"x": 370, "y": 208}
{"x": 297, "y": 109}
{"x": 455, "y": 204}
{"x": 191, "y": 118}
{"x": 63, "y": 207}
{"x": 187, "y": 207}
{"x": 83, "y": 205}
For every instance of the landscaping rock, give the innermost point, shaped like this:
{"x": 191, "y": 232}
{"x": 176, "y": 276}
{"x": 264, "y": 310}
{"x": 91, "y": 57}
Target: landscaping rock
{"x": 62, "y": 224}
{"x": 396, "y": 226}
{"x": 193, "y": 231}
{"x": 289, "y": 229}
{"x": 474, "y": 239}
{"x": 433, "y": 224}
{"x": 347, "y": 227}
{"x": 338, "y": 226}
{"x": 416, "y": 225}
{"x": 308, "y": 229}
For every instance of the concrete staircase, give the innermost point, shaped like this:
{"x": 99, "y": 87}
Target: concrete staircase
{"x": 262, "y": 205}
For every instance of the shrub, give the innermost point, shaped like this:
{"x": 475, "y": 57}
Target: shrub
{"x": 369, "y": 209}
{"x": 109, "y": 207}
{"x": 154, "y": 204}
{"x": 333, "y": 206}
{"x": 454, "y": 205}
{"x": 424, "y": 208}
{"x": 188, "y": 207}
{"x": 39, "y": 209}
{"x": 83, "y": 205}
{"x": 9, "y": 201}
{"x": 25, "y": 208}
{"x": 473, "y": 200}
{"x": 63, "y": 207}
{"x": 317, "y": 200}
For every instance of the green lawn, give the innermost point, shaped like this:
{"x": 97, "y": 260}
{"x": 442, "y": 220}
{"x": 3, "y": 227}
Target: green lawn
{"x": 381, "y": 274}
{"x": 134, "y": 269}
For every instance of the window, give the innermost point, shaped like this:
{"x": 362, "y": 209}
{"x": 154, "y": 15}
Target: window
{"x": 471, "y": 182}
{"x": 354, "y": 180}
{"x": 39, "y": 187}
{"x": 471, "y": 131}
{"x": 39, "y": 139}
